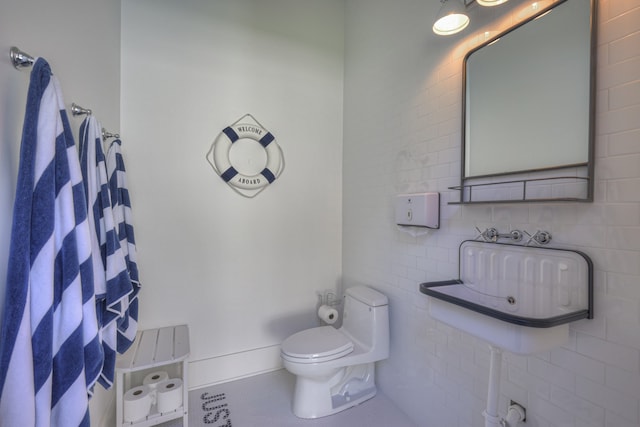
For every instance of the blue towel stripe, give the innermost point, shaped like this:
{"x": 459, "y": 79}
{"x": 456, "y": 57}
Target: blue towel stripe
{"x": 67, "y": 364}
{"x": 229, "y": 174}
{"x": 42, "y": 350}
{"x": 267, "y": 139}
{"x": 42, "y": 218}
{"x": 80, "y": 210}
{"x": 124, "y": 198}
{"x": 268, "y": 175}
{"x": 128, "y": 231}
{"x": 66, "y": 261}
{"x": 231, "y": 134}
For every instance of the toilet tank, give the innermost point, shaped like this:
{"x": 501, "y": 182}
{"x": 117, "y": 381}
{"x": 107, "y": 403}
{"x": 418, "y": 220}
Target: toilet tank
{"x": 366, "y": 317}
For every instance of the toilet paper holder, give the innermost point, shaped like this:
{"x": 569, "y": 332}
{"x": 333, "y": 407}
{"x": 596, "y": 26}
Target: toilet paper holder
{"x": 328, "y": 298}
{"x": 328, "y": 307}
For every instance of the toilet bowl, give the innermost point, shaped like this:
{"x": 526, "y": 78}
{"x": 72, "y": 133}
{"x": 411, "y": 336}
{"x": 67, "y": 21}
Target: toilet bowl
{"x": 335, "y": 368}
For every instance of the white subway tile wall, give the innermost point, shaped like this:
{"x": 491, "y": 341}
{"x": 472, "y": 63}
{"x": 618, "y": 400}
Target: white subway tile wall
{"x": 402, "y": 135}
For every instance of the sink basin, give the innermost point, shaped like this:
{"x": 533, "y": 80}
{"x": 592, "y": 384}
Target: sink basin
{"x": 519, "y": 298}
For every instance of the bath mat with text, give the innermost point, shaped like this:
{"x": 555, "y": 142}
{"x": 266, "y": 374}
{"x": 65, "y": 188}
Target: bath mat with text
{"x": 210, "y": 409}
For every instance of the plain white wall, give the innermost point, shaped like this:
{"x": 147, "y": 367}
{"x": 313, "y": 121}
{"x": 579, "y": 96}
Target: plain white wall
{"x": 242, "y": 273}
{"x": 402, "y": 134}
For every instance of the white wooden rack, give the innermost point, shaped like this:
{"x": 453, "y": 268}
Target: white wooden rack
{"x": 166, "y": 348}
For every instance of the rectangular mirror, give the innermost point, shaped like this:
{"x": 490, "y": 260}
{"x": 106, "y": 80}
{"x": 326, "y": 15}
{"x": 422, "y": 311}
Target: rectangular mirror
{"x": 528, "y": 110}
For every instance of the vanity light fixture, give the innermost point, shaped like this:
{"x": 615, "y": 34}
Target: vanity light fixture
{"x": 453, "y": 17}
{"x": 490, "y": 2}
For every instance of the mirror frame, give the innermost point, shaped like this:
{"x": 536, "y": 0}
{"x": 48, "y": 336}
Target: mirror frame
{"x": 467, "y": 186}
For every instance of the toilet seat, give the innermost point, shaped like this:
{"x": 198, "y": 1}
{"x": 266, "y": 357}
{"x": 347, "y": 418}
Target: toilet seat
{"x": 316, "y": 345}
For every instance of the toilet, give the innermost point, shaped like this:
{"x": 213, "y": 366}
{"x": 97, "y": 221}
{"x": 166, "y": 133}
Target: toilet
{"x": 335, "y": 368}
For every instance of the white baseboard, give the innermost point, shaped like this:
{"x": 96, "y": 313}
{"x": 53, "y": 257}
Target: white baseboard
{"x": 234, "y": 366}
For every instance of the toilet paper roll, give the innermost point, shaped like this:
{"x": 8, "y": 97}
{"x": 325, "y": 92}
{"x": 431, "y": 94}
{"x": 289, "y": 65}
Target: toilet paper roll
{"x": 154, "y": 378}
{"x": 169, "y": 395}
{"x": 328, "y": 314}
{"x": 137, "y": 403}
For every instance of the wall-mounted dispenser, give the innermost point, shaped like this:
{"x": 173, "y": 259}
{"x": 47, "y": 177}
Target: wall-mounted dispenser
{"x": 418, "y": 210}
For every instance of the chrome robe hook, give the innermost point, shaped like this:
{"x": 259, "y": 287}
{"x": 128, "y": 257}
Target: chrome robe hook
{"x": 20, "y": 59}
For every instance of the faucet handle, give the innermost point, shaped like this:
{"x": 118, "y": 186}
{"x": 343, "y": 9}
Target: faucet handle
{"x": 540, "y": 238}
{"x": 488, "y": 235}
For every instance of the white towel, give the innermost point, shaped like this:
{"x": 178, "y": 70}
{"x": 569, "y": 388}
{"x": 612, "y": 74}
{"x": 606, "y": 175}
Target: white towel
{"x": 112, "y": 275}
{"x": 49, "y": 350}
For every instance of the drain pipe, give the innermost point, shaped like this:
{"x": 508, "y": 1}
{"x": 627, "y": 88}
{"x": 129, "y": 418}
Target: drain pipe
{"x": 516, "y": 413}
{"x": 491, "y": 417}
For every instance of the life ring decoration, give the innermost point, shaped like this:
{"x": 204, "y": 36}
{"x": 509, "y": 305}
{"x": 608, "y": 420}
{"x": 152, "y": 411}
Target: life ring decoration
{"x": 248, "y": 185}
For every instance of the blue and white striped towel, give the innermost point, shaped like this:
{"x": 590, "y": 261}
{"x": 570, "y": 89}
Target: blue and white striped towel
{"x": 50, "y": 354}
{"x": 121, "y": 204}
{"x": 113, "y": 285}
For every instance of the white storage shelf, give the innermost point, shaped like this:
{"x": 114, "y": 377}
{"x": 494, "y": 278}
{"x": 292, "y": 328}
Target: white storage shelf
{"x": 166, "y": 348}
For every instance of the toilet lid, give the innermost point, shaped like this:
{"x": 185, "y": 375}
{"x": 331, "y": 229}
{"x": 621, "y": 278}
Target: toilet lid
{"x": 316, "y": 345}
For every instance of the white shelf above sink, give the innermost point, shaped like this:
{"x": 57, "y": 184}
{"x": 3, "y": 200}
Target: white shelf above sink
{"x": 519, "y": 298}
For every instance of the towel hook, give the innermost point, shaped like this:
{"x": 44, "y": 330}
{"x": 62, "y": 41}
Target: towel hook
{"x": 77, "y": 110}
{"x": 20, "y": 59}
{"x": 106, "y": 135}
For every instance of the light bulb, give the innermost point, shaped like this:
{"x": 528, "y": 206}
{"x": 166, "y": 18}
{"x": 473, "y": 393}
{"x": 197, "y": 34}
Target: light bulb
{"x": 490, "y": 2}
{"x": 451, "y": 19}
{"x": 450, "y": 24}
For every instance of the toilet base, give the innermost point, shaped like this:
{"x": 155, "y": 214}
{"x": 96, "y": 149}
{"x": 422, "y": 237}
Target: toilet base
{"x": 320, "y": 397}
